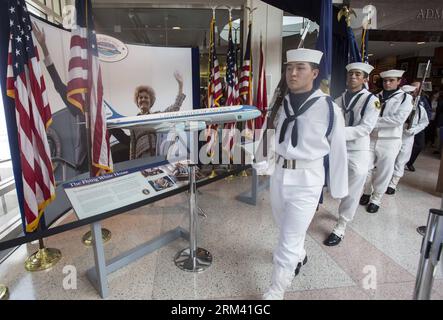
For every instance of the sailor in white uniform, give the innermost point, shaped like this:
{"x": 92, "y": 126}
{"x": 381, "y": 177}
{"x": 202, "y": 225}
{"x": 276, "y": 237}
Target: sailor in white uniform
{"x": 309, "y": 128}
{"x": 419, "y": 121}
{"x": 396, "y": 105}
{"x": 361, "y": 110}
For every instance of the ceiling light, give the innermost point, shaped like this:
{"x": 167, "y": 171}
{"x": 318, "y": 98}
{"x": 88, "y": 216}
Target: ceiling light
{"x": 370, "y": 54}
{"x": 421, "y": 42}
{"x": 176, "y": 28}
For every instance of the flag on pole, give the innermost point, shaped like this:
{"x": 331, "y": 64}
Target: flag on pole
{"x": 324, "y": 44}
{"x": 214, "y": 88}
{"x": 262, "y": 97}
{"x": 245, "y": 86}
{"x": 364, "y": 45}
{"x": 85, "y": 89}
{"x": 26, "y": 85}
{"x": 232, "y": 91}
{"x": 353, "y": 50}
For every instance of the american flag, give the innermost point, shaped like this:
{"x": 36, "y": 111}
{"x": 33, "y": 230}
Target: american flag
{"x": 214, "y": 89}
{"x": 246, "y": 73}
{"x": 85, "y": 90}
{"x": 262, "y": 98}
{"x": 25, "y": 84}
{"x": 245, "y": 86}
{"x": 232, "y": 92}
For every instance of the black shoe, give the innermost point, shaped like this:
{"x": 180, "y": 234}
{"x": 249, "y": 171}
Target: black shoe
{"x": 372, "y": 208}
{"x": 410, "y": 167}
{"x": 299, "y": 265}
{"x": 364, "y": 200}
{"x": 390, "y": 190}
{"x": 332, "y": 240}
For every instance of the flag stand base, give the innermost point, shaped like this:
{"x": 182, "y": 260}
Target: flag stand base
{"x": 43, "y": 259}
{"x": 213, "y": 174}
{"x": 244, "y": 174}
{"x": 87, "y": 237}
{"x": 230, "y": 178}
{"x": 4, "y": 293}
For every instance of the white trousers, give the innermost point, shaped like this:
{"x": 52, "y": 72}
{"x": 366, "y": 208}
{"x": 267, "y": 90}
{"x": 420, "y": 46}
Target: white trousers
{"x": 293, "y": 205}
{"x": 294, "y": 200}
{"x": 383, "y": 153}
{"x": 402, "y": 158}
{"x": 358, "y": 166}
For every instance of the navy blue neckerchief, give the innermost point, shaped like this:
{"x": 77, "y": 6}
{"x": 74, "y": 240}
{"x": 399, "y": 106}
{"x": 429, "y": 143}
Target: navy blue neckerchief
{"x": 351, "y": 107}
{"x": 384, "y": 100}
{"x": 293, "y": 118}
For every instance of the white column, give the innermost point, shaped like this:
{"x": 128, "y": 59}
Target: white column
{"x": 267, "y": 21}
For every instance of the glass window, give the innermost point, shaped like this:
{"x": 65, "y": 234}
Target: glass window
{"x": 36, "y": 11}
{"x": 57, "y": 7}
{"x": 9, "y": 212}
{"x": 4, "y": 145}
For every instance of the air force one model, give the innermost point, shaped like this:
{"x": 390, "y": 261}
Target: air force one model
{"x": 165, "y": 120}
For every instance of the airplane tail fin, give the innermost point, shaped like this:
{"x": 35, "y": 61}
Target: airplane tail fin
{"x": 111, "y": 113}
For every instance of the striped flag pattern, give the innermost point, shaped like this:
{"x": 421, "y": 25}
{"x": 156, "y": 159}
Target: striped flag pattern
{"x": 214, "y": 89}
{"x": 232, "y": 91}
{"x": 262, "y": 98}
{"x": 85, "y": 89}
{"x": 26, "y": 85}
{"x": 245, "y": 86}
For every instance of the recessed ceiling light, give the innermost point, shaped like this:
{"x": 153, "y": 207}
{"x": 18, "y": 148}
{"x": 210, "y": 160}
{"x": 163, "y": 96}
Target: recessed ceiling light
{"x": 421, "y": 42}
{"x": 176, "y": 28}
{"x": 370, "y": 54}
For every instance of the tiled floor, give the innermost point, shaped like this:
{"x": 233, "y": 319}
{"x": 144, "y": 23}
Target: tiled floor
{"x": 241, "y": 239}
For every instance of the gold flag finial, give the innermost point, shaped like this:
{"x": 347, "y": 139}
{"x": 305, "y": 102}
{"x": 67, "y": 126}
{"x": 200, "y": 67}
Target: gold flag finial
{"x": 346, "y": 12}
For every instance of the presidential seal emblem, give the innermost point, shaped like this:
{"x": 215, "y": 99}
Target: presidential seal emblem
{"x": 110, "y": 49}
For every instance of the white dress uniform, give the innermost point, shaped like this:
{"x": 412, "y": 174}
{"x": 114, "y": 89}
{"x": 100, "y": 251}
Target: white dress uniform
{"x": 419, "y": 123}
{"x": 386, "y": 142}
{"x": 361, "y": 115}
{"x": 295, "y": 191}
{"x": 302, "y": 142}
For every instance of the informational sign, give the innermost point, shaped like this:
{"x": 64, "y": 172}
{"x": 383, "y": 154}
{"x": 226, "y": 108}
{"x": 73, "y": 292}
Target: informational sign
{"x": 97, "y": 195}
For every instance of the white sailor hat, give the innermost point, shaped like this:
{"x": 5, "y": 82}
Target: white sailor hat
{"x": 303, "y": 55}
{"x": 392, "y": 73}
{"x": 408, "y": 88}
{"x": 365, "y": 67}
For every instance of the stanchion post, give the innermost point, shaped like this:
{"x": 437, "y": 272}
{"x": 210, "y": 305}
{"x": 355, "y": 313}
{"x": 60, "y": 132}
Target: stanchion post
{"x": 430, "y": 253}
{"x": 193, "y": 259}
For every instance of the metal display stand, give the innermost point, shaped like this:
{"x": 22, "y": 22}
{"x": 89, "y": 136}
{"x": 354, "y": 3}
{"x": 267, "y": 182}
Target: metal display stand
{"x": 193, "y": 259}
{"x": 431, "y": 251}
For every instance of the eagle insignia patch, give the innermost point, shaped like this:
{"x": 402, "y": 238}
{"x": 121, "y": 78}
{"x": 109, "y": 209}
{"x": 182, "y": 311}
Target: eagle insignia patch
{"x": 377, "y": 105}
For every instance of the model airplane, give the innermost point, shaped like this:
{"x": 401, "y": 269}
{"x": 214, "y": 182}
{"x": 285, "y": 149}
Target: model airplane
{"x": 166, "y": 120}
